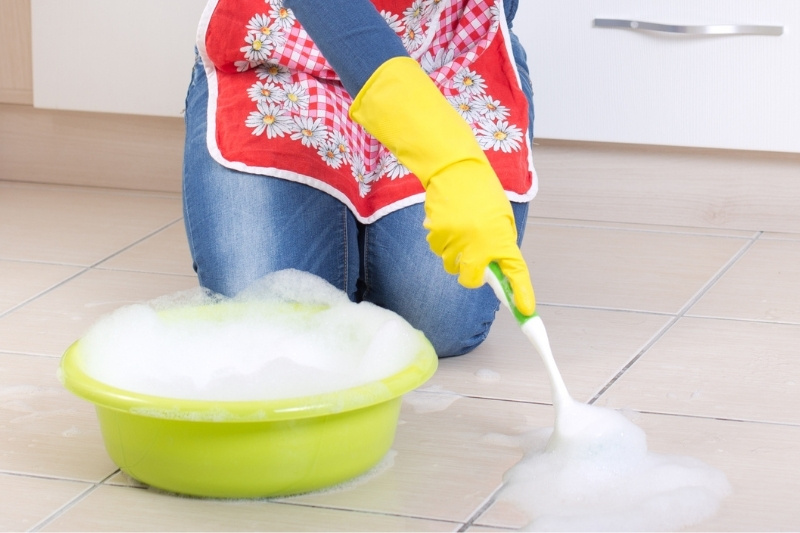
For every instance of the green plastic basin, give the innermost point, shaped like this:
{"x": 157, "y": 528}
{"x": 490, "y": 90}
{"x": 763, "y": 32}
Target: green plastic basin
{"x": 248, "y": 449}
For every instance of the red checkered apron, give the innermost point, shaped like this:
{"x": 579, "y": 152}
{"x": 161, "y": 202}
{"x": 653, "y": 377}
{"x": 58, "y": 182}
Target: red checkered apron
{"x": 277, "y": 108}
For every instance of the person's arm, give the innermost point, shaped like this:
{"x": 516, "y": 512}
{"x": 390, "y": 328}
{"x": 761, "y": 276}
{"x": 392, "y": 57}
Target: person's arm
{"x": 469, "y": 217}
{"x": 352, "y": 36}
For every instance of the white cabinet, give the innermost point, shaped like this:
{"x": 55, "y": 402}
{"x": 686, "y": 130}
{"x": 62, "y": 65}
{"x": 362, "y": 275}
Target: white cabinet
{"x": 647, "y": 87}
{"x": 117, "y": 56}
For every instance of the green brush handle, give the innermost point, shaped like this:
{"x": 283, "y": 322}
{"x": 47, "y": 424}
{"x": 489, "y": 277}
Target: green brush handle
{"x": 502, "y": 289}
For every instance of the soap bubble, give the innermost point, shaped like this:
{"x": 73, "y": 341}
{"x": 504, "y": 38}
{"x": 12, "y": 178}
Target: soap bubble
{"x": 595, "y": 473}
{"x": 290, "y": 334}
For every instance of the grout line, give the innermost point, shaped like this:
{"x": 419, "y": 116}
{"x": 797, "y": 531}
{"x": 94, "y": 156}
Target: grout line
{"x": 481, "y": 509}
{"x": 279, "y": 501}
{"x": 141, "y": 240}
{"x": 688, "y": 305}
{"x": 44, "y": 292}
{"x": 721, "y": 272}
{"x": 662, "y": 413}
{"x": 652, "y": 228}
{"x": 70, "y": 504}
{"x": 722, "y": 419}
{"x": 86, "y": 269}
{"x": 40, "y": 262}
{"x": 603, "y": 308}
{"x": 737, "y": 319}
{"x": 508, "y": 400}
{"x": 44, "y": 476}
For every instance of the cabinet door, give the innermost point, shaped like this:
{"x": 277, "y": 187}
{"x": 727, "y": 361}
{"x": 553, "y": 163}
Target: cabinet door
{"x": 654, "y": 87}
{"x": 117, "y": 56}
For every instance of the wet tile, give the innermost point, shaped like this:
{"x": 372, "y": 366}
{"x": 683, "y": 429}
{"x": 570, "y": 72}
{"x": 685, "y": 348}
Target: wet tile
{"x": 20, "y": 281}
{"x": 717, "y": 368}
{"x": 166, "y": 252}
{"x": 621, "y": 269}
{"x": 129, "y": 509}
{"x": 753, "y": 456}
{"x": 447, "y": 464}
{"x": 45, "y": 430}
{"x": 29, "y": 500}
{"x": 590, "y": 347}
{"x": 763, "y": 285}
{"x": 502, "y": 514}
{"x": 52, "y": 322}
{"x": 75, "y": 225}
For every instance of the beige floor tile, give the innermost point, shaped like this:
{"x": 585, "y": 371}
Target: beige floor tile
{"x": 646, "y": 228}
{"x": 27, "y": 501}
{"x": 503, "y": 514}
{"x": 20, "y": 280}
{"x": 622, "y": 269}
{"x": 590, "y": 348}
{"x": 51, "y": 323}
{"x": 45, "y": 430}
{"x": 717, "y": 368}
{"x": 753, "y": 456}
{"x": 166, "y": 252}
{"x": 760, "y": 461}
{"x": 763, "y": 285}
{"x": 129, "y": 509}
{"x": 75, "y": 225}
{"x": 447, "y": 464}
{"x": 781, "y": 236}
{"x": 124, "y": 480}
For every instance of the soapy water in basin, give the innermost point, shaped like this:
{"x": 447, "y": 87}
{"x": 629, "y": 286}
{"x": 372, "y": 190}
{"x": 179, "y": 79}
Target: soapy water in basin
{"x": 258, "y": 352}
{"x": 593, "y": 470}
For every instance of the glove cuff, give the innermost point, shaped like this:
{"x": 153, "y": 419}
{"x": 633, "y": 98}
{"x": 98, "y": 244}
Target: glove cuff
{"x": 402, "y": 108}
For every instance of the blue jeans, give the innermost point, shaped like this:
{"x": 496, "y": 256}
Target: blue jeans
{"x": 243, "y": 226}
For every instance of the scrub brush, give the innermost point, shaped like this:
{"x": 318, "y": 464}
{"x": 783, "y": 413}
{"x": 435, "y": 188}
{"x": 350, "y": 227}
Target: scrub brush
{"x": 533, "y": 328}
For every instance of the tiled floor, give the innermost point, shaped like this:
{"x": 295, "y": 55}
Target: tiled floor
{"x": 696, "y": 330}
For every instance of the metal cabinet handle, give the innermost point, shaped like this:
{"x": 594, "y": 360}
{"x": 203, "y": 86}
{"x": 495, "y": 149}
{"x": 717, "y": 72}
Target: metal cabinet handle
{"x": 711, "y": 29}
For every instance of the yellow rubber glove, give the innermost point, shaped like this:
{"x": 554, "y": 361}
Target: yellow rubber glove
{"x": 468, "y": 215}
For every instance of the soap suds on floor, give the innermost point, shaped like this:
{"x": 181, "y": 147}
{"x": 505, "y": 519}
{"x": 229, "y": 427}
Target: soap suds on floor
{"x": 595, "y": 473}
{"x": 487, "y": 375}
{"x": 430, "y": 400}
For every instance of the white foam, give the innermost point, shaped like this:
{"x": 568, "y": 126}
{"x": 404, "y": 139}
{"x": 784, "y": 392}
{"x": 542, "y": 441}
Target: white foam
{"x": 431, "y": 400}
{"x": 261, "y": 347}
{"x": 595, "y": 473}
{"x": 487, "y": 375}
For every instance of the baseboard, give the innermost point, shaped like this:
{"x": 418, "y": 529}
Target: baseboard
{"x": 91, "y": 149}
{"x": 756, "y": 191}
{"x": 16, "y": 96}
{"x": 640, "y": 184}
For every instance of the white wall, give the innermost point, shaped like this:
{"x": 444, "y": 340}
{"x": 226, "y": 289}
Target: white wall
{"x": 120, "y": 56}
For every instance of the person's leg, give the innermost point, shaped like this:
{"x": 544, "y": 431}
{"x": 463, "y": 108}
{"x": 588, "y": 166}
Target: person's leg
{"x": 242, "y": 226}
{"x": 521, "y": 60}
{"x": 402, "y": 274}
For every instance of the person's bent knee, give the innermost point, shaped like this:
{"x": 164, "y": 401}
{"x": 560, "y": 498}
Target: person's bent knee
{"x": 452, "y": 344}
{"x": 460, "y": 329}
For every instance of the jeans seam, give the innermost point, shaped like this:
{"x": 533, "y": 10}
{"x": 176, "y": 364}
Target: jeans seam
{"x": 346, "y": 250}
{"x": 365, "y": 261}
